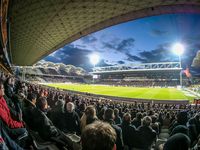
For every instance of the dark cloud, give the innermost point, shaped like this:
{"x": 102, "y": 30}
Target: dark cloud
{"x": 109, "y": 45}
{"x": 134, "y": 58}
{"x": 156, "y": 32}
{"x": 161, "y": 54}
{"x": 73, "y": 55}
{"x": 88, "y": 39}
{"x": 121, "y": 62}
{"x": 122, "y": 45}
{"x": 126, "y": 44}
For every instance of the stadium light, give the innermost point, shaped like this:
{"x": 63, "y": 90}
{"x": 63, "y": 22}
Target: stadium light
{"x": 94, "y": 59}
{"x": 178, "y": 49}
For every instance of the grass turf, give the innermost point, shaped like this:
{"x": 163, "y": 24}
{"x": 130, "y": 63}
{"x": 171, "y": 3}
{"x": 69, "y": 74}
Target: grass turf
{"x": 128, "y": 92}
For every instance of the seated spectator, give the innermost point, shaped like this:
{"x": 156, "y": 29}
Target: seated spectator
{"x": 129, "y": 131}
{"x": 109, "y": 117}
{"x": 37, "y": 121}
{"x": 146, "y": 135}
{"x": 69, "y": 119}
{"x": 9, "y": 87}
{"x": 13, "y": 127}
{"x": 98, "y": 136}
{"x": 55, "y": 111}
{"x": 178, "y": 141}
{"x": 6, "y": 142}
{"x": 12, "y": 100}
{"x": 118, "y": 119}
{"x": 89, "y": 116}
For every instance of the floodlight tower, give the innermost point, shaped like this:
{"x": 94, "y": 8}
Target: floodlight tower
{"x": 178, "y": 49}
{"x": 94, "y": 59}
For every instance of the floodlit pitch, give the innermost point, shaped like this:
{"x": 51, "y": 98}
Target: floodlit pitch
{"x": 127, "y": 92}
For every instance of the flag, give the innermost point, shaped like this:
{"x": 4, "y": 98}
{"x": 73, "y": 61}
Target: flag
{"x": 187, "y": 72}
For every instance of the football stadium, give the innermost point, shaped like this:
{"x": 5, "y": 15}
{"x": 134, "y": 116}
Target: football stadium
{"x": 100, "y": 75}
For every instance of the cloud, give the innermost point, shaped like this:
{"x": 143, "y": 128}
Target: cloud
{"x": 120, "y": 45}
{"x": 121, "y": 62}
{"x": 80, "y": 46}
{"x": 156, "y": 32}
{"x": 88, "y": 39}
{"x": 134, "y": 58}
{"x": 161, "y": 54}
{"x": 126, "y": 44}
{"x": 76, "y": 56}
{"x": 103, "y": 63}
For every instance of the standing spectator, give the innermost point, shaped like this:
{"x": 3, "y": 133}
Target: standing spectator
{"x": 89, "y": 116}
{"x": 129, "y": 131}
{"x": 109, "y": 117}
{"x": 167, "y": 121}
{"x": 138, "y": 120}
{"x": 118, "y": 119}
{"x": 146, "y": 135}
{"x": 178, "y": 141}
{"x": 98, "y": 136}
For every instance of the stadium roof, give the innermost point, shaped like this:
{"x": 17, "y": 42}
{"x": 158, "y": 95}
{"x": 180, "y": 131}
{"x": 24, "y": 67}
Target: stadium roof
{"x": 39, "y": 27}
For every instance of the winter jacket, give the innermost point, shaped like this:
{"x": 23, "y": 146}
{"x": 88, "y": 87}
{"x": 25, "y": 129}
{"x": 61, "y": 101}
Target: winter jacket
{"x": 6, "y": 117}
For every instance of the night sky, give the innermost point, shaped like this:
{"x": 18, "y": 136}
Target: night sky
{"x": 139, "y": 41}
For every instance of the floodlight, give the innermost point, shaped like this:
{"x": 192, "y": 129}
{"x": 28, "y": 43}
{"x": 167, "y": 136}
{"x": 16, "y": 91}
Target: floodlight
{"x": 178, "y": 49}
{"x": 94, "y": 59}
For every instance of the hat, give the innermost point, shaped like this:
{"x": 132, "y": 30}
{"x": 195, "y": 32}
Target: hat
{"x": 178, "y": 141}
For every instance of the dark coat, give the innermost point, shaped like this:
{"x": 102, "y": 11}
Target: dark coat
{"x": 68, "y": 122}
{"x": 136, "y": 122}
{"x": 129, "y": 133}
{"x": 118, "y": 120}
{"x": 146, "y": 137}
{"x": 6, "y": 117}
{"x": 119, "y": 142}
{"x": 9, "y": 90}
{"x": 38, "y": 121}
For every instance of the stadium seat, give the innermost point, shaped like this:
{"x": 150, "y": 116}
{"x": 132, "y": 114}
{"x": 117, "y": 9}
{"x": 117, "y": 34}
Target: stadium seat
{"x": 74, "y": 141}
{"x": 40, "y": 144}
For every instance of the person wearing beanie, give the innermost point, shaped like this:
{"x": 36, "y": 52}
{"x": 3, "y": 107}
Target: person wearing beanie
{"x": 178, "y": 141}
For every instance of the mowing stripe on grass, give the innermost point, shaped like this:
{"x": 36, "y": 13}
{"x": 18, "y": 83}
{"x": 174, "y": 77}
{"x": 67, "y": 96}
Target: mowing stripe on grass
{"x": 127, "y": 92}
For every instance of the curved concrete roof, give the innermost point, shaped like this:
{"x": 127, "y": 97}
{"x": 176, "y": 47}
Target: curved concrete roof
{"x": 39, "y": 27}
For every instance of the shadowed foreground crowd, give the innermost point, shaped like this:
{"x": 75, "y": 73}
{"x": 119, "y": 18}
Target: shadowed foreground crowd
{"x": 71, "y": 121}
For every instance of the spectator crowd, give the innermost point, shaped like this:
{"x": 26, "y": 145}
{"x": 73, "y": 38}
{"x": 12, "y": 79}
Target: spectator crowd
{"x": 74, "y": 121}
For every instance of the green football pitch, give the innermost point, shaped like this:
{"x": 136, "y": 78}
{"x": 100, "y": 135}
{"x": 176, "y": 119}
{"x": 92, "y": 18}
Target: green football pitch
{"x": 127, "y": 92}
